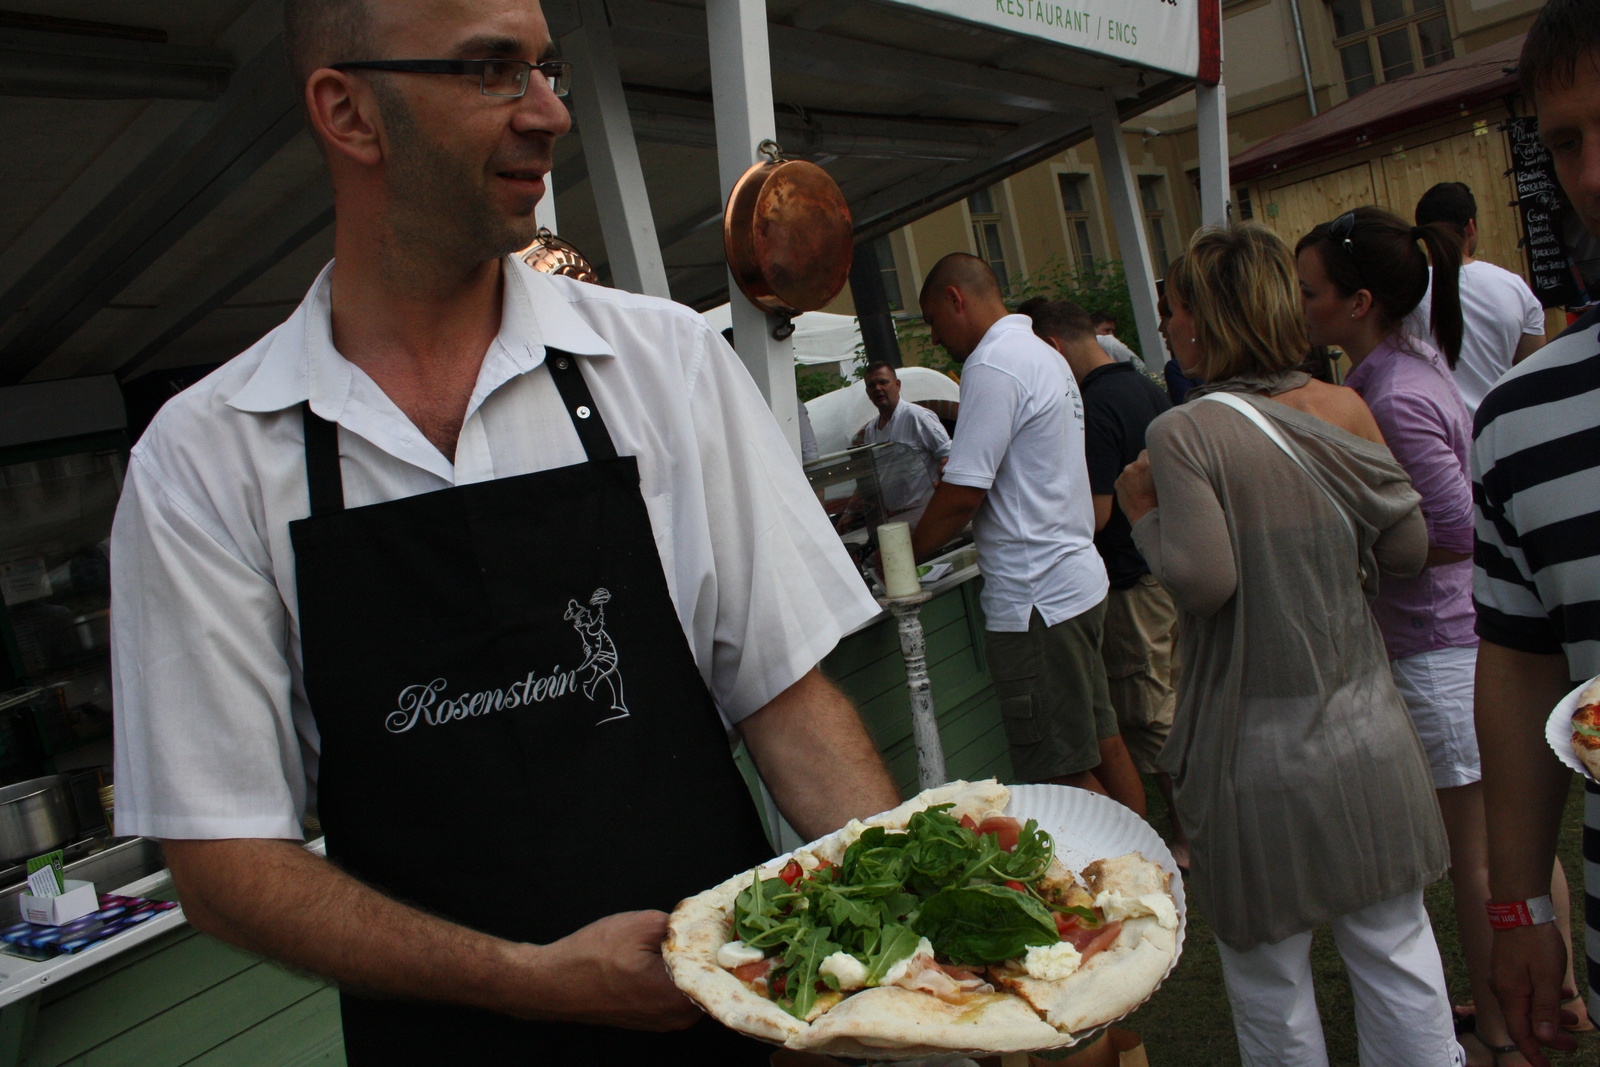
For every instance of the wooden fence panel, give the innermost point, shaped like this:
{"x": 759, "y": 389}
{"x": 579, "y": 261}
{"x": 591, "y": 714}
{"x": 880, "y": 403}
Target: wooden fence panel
{"x": 1292, "y": 210}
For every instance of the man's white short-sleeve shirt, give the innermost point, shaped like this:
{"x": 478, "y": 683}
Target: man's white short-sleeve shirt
{"x": 915, "y": 427}
{"x": 1020, "y": 436}
{"x": 1497, "y": 309}
{"x": 214, "y": 736}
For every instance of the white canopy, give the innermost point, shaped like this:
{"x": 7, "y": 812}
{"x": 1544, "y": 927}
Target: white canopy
{"x": 819, "y": 336}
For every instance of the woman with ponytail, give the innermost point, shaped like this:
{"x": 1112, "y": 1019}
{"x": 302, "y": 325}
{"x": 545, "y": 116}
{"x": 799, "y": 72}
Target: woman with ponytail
{"x": 1360, "y": 276}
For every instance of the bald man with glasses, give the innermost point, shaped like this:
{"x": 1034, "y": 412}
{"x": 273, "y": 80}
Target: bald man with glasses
{"x": 451, "y": 558}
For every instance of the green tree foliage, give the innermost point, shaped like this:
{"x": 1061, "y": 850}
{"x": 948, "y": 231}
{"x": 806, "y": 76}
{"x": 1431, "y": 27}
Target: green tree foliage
{"x": 812, "y": 382}
{"x": 1104, "y": 287}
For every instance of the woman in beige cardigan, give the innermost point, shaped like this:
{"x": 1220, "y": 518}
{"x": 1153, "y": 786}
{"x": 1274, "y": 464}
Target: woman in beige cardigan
{"x": 1299, "y": 777}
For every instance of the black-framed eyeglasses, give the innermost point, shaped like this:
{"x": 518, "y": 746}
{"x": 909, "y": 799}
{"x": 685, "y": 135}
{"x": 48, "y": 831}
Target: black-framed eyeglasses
{"x": 496, "y": 77}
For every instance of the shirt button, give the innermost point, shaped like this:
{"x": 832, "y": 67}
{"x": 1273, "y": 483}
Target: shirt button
{"x": 562, "y": 364}
{"x": 583, "y": 412}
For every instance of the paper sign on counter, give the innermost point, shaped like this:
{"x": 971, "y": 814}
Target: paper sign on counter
{"x": 46, "y": 876}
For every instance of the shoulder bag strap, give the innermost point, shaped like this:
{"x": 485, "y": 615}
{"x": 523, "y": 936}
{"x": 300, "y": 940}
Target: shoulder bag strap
{"x": 1264, "y": 424}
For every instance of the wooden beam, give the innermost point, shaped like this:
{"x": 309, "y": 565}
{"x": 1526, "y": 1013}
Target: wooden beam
{"x": 620, "y": 195}
{"x": 1211, "y": 106}
{"x": 76, "y": 67}
{"x": 1129, "y": 220}
{"x": 212, "y": 284}
{"x": 741, "y": 85}
{"x": 246, "y": 127}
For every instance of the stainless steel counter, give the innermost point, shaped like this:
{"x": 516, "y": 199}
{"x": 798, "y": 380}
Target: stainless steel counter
{"x": 130, "y": 868}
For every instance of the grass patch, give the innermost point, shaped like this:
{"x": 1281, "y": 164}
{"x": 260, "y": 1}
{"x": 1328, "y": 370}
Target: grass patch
{"x": 1188, "y": 1022}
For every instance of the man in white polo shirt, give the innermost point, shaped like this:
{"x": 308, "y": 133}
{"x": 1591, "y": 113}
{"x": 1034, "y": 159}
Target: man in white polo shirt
{"x": 1017, "y": 471}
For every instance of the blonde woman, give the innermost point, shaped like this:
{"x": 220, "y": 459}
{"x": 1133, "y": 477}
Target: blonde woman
{"x": 1269, "y": 506}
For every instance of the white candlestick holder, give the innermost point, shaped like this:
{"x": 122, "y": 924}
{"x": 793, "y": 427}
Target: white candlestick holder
{"x": 924, "y": 722}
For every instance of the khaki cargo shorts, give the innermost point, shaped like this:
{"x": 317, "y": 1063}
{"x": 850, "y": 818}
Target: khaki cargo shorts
{"x": 1051, "y": 684}
{"x": 1137, "y": 647}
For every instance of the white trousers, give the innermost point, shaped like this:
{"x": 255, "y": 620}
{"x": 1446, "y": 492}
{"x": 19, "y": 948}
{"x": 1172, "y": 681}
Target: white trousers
{"x": 1402, "y": 1006}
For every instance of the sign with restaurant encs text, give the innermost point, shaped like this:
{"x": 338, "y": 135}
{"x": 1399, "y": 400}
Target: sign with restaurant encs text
{"x": 1540, "y": 203}
{"x": 1164, "y": 34}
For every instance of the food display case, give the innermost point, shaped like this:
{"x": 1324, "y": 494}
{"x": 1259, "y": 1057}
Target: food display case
{"x": 864, "y": 487}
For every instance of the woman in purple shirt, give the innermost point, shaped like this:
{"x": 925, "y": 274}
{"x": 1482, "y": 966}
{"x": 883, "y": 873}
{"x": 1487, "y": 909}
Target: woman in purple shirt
{"x": 1360, "y": 276}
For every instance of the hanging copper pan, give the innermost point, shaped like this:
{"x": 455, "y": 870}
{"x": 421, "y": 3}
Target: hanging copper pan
{"x": 787, "y": 234}
{"x": 549, "y": 254}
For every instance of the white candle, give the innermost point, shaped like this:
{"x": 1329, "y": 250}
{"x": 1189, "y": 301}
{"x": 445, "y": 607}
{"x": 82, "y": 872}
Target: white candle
{"x": 899, "y": 566}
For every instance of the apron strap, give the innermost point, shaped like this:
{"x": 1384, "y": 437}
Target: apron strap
{"x": 322, "y": 437}
{"x": 322, "y": 463}
{"x": 580, "y": 404}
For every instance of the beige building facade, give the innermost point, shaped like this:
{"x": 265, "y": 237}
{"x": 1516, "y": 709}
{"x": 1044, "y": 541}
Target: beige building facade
{"x": 1056, "y": 213}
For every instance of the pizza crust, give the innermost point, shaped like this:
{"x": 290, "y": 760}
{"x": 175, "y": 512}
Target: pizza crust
{"x": 892, "y": 1018}
{"x": 698, "y": 927}
{"x": 1113, "y": 982}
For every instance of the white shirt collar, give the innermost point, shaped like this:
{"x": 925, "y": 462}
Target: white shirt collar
{"x": 300, "y": 362}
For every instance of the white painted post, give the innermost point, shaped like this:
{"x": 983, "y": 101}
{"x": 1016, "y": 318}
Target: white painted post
{"x": 1211, "y": 102}
{"x": 741, "y": 95}
{"x": 1125, "y": 213}
{"x": 613, "y": 156}
{"x": 924, "y": 718}
{"x": 546, "y": 215}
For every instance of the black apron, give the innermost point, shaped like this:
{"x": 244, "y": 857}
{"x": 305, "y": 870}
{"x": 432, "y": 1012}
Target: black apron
{"x": 514, "y": 732}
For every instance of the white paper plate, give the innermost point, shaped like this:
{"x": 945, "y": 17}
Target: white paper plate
{"x": 1088, "y": 827}
{"x": 1558, "y": 730}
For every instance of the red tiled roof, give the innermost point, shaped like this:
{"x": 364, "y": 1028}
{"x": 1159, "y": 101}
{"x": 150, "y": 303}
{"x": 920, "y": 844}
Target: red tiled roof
{"x": 1451, "y": 87}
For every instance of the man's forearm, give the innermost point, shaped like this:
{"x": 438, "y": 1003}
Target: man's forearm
{"x": 949, "y": 509}
{"x": 817, "y": 758}
{"x": 1524, "y": 785}
{"x": 276, "y": 899}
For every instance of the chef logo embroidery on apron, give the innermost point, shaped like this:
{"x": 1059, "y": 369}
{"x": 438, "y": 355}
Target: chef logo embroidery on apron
{"x": 428, "y": 704}
{"x": 599, "y": 654}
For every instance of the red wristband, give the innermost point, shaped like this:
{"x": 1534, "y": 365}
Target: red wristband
{"x": 1514, "y": 913}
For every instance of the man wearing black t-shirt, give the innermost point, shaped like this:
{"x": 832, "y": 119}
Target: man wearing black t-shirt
{"x": 1118, "y": 403}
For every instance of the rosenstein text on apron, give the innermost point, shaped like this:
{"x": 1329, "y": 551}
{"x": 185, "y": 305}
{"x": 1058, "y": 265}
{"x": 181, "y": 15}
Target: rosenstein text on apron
{"x": 514, "y": 732}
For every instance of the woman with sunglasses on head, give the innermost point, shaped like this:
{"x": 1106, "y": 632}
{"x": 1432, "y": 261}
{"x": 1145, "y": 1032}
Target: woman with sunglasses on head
{"x": 1299, "y": 778}
{"x": 1361, "y": 275}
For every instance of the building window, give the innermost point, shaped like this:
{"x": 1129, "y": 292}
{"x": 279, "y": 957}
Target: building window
{"x": 891, "y": 273}
{"x": 986, "y": 235}
{"x": 1380, "y": 40}
{"x": 1080, "y": 253}
{"x": 1155, "y": 221}
{"x": 1241, "y": 203}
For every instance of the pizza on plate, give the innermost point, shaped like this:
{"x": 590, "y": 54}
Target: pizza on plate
{"x": 941, "y": 925}
{"x": 1586, "y": 728}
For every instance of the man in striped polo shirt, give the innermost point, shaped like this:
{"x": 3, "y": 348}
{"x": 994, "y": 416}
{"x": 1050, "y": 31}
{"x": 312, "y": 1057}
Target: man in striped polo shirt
{"x": 1536, "y": 481}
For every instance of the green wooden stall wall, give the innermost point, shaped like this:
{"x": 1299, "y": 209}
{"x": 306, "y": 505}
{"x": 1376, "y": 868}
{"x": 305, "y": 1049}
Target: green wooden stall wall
{"x": 188, "y": 999}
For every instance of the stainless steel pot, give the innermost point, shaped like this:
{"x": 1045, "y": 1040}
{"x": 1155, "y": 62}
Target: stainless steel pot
{"x": 35, "y": 816}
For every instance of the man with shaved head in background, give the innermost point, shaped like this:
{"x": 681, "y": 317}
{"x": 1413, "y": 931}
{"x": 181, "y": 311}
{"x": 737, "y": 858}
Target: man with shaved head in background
{"x": 348, "y": 565}
{"x": 1017, "y": 472}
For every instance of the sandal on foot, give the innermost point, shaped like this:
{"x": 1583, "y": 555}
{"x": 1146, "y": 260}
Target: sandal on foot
{"x": 1587, "y": 1025}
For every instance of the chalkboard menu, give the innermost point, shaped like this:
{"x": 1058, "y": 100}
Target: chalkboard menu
{"x": 1540, "y": 201}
